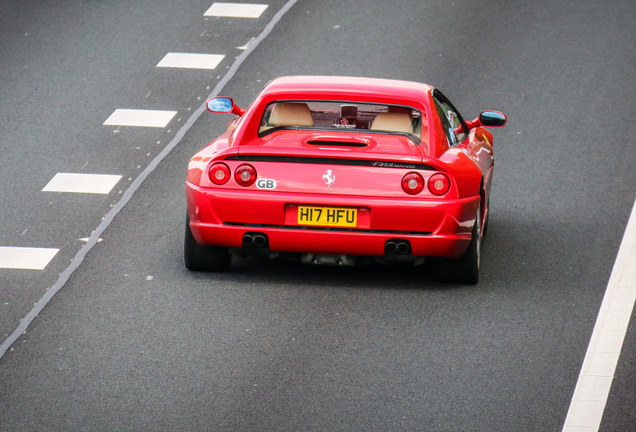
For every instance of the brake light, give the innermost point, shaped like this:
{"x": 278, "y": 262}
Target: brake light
{"x": 219, "y": 173}
{"x": 439, "y": 184}
{"x": 245, "y": 175}
{"x": 412, "y": 183}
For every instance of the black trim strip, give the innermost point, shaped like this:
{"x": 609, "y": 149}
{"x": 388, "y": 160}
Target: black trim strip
{"x": 318, "y": 228}
{"x": 328, "y": 161}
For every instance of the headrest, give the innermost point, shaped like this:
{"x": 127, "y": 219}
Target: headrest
{"x": 393, "y": 122}
{"x": 291, "y": 114}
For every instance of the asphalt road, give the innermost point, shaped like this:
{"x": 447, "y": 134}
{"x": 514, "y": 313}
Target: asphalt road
{"x": 133, "y": 341}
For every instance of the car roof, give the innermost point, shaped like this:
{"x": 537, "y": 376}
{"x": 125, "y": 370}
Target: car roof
{"x": 331, "y": 87}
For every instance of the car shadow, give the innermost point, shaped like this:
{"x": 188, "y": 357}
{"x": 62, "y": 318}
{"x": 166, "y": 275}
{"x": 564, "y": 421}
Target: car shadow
{"x": 256, "y": 269}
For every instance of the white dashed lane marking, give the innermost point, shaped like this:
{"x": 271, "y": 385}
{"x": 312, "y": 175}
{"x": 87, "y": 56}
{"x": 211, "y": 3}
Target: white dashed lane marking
{"x": 25, "y": 258}
{"x": 236, "y": 10}
{"x": 141, "y": 118}
{"x": 597, "y": 373}
{"x": 191, "y": 61}
{"x": 82, "y": 183}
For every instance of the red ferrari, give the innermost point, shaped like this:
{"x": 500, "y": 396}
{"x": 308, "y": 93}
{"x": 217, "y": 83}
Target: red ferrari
{"x": 340, "y": 170}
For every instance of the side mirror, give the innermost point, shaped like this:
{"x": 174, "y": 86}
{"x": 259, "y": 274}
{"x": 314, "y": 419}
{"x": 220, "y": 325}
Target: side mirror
{"x": 222, "y": 104}
{"x": 492, "y": 118}
{"x": 489, "y": 119}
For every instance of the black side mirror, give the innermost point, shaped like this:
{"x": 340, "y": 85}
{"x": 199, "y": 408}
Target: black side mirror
{"x": 492, "y": 118}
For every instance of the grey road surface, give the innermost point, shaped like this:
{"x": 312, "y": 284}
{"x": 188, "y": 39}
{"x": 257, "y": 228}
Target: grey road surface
{"x": 133, "y": 341}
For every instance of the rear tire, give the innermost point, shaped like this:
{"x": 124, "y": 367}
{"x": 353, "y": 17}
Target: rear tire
{"x": 204, "y": 258}
{"x": 484, "y": 229}
{"x": 466, "y": 268}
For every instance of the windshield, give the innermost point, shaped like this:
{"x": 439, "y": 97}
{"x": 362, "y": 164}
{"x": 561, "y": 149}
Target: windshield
{"x": 350, "y": 116}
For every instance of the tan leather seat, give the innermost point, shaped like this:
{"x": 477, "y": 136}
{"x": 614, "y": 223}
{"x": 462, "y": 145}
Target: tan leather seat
{"x": 291, "y": 114}
{"x": 393, "y": 122}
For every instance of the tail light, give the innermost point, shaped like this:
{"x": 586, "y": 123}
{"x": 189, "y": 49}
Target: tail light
{"x": 219, "y": 173}
{"x": 245, "y": 175}
{"x": 412, "y": 183}
{"x": 439, "y": 184}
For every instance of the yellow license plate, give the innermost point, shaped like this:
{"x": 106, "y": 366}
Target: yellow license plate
{"x": 327, "y": 216}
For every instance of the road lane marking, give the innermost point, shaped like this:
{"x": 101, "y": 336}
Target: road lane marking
{"x": 597, "y": 373}
{"x": 140, "y": 118}
{"x": 236, "y": 10}
{"x": 82, "y": 183}
{"x": 190, "y": 61}
{"x": 86, "y": 239}
{"x": 26, "y": 258}
{"x": 79, "y": 257}
{"x": 244, "y": 47}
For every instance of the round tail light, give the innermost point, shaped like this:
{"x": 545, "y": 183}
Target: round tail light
{"x": 439, "y": 184}
{"x": 412, "y": 183}
{"x": 219, "y": 173}
{"x": 245, "y": 175}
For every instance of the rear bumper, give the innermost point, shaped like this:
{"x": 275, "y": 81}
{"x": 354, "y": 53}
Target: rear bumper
{"x": 432, "y": 227}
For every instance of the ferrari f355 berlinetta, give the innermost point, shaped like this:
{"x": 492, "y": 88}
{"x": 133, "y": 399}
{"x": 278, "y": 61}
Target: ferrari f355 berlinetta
{"x": 340, "y": 170}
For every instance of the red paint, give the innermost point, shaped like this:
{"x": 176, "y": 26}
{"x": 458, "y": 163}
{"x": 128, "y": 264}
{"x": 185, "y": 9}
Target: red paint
{"x": 343, "y": 168}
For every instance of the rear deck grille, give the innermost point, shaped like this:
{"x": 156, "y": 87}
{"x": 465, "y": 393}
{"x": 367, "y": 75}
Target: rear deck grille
{"x": 338, "y": 143}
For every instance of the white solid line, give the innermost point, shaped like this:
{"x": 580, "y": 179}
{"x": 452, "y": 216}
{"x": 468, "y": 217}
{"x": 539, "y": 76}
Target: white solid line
{"x": 26, "y": 258}
{"x": 190, "y": 61}
{"x": 597, "y": 373}
{"x": 82, "y": 183}
{"x": 141, "y": 118}
{"x": 236, "y": 10}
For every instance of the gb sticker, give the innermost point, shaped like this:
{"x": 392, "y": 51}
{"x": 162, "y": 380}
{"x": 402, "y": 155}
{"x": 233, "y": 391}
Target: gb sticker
{"x": 266, "y": 183}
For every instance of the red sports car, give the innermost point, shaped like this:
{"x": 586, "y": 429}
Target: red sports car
{"x": 339, "y": 170}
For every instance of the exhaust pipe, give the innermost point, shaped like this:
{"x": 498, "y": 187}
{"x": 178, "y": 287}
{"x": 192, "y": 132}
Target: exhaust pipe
{"x": 403, "y": 248}
{"x": 390, "y": 247}
{"x": 397, "y": 247}
{"x": 255, "y": 240}
{"x": 260, "y": 240}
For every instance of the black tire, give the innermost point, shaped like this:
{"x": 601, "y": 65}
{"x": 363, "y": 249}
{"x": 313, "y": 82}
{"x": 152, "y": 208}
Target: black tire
{"x": 466, "y": 268}
{"x": 484, "y": 229}
{"x": 204, "y": 258}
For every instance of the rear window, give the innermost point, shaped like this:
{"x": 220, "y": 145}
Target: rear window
{"x": 350, "y": 116}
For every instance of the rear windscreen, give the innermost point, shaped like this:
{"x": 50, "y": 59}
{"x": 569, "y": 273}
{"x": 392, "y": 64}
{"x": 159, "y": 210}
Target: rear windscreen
{"x": 351, "y": 116}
